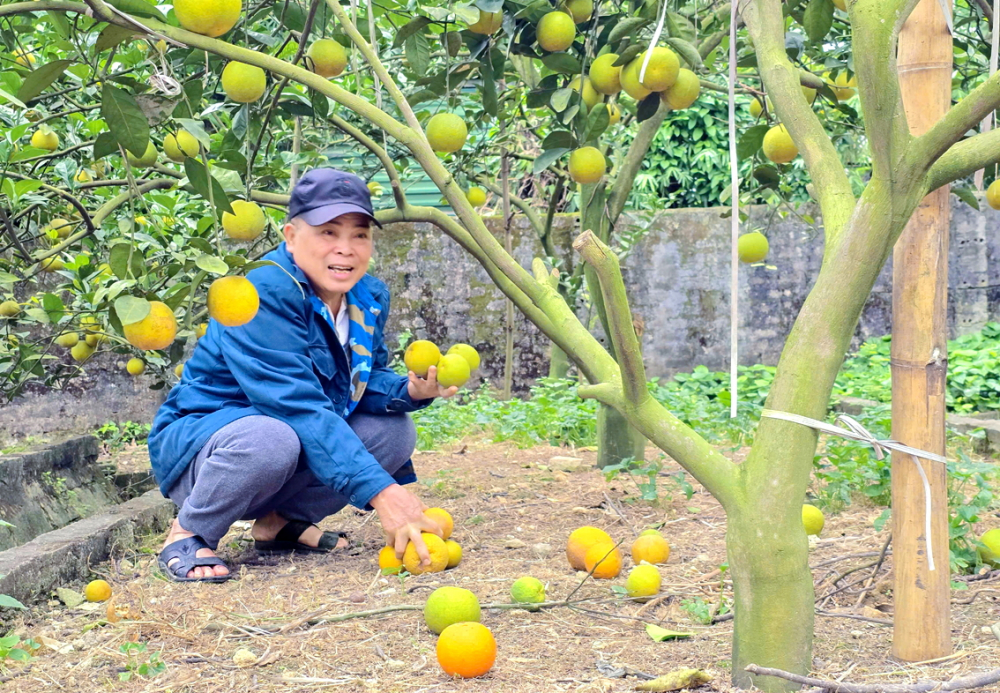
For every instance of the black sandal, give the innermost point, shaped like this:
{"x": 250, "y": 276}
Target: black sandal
{"x": 287, "y": 540}
{"x": 185, "y": 550}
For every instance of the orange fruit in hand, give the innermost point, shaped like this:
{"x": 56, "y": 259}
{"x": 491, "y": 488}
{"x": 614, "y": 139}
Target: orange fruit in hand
{"x": 387, "y": 561}
{"x": 604, "y": 559}
{"x": 582, "y": 539}
{"x": 443, "y": 519}
{"x": 651, "y": 548}
{"x": 466, "y": 649}
{"x": 438, "y": 552}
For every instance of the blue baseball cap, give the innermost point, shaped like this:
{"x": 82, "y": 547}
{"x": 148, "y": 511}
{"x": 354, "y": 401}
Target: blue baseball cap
{"x": 325, "y": 193}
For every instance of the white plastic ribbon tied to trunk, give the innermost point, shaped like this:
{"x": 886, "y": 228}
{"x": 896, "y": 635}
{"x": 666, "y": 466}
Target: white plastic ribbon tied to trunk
{"x": 856, "y": 431}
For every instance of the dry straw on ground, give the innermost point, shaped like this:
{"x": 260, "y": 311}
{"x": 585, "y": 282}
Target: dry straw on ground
{"x": 513, "y": 511}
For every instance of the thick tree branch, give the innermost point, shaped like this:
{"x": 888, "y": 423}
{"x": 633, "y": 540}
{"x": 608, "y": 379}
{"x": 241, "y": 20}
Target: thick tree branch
{"x": 107, "y": 208}
{"x": 765, "y": 22}
{"x": 376, "y": 65}
{"x": 536, "y": 221}
{"x": 383, "y": 156}
{"x": 625, "y": 177}
{"x": 965, "y": 158}
{"x": 951, "y": 128}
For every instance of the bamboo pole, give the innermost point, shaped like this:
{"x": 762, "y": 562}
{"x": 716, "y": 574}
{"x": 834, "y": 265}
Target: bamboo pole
{"x": 921, "y": 628}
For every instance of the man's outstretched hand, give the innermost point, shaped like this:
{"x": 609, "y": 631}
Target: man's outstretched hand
{"x": 402, "y": 516}
{"x": 426, "y": 388}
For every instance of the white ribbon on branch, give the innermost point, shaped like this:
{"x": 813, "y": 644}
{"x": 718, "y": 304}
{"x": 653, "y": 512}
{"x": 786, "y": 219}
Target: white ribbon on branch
{"x": 856, "y": 431}
{"x": 652, "y": 43}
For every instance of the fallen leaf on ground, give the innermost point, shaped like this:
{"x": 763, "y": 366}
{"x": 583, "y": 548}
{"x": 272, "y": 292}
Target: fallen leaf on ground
{"x": 661, "y": 634}
{"x": 69, "y": 597}
{"x": 676, "y": 680}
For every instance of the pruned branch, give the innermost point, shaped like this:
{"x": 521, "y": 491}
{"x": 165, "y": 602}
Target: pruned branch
{"x": 632, "y": 162}
{"x": 626, "y": 344}
{"x": 959, "y": 684}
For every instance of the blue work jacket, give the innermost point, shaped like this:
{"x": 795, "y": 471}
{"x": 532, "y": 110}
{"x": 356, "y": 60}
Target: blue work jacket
{"x": 286, "y": 363}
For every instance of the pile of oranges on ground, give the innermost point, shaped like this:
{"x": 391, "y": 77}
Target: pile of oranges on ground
{"x": 466, "y": 647}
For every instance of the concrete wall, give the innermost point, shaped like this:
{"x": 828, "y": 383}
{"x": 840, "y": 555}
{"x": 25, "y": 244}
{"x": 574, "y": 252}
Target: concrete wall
{"x": 678, "y": 280}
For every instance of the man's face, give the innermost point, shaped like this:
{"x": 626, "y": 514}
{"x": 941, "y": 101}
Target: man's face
{"x": 335, "y": 255}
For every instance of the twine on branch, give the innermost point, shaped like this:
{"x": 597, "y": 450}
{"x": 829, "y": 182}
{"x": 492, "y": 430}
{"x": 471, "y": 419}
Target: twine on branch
{"x": 856, "y": 431}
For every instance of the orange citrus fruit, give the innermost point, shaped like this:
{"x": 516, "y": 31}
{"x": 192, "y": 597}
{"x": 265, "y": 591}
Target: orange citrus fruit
{"x": 580, "y": 540}
{"x": 387, "y": 561}
{"x": 437, "y": 549}
{"x": 443, "y": 519}
{"x": 97, "y": 591}
{"x": 233, "y": 300}
{"x": 604, "y": 559}
{"x": 650, "y": 548}
{"x": 454, "y": 553}
{"x": 466, "y": 649}
{"x": 155, "y": 331}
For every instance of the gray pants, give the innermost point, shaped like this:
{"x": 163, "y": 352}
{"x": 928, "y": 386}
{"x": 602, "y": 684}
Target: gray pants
{"x": 251, "y": 467}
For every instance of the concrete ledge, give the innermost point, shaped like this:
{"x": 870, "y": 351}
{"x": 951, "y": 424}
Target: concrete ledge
{"x": 31, "y": 571}
{"x": 45, "y": 488}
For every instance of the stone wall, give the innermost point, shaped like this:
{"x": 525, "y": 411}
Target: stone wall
{"x": 678, "y": 280}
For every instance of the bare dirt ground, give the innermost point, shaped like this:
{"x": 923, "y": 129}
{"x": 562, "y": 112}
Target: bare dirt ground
{"x": 513, "y": 511}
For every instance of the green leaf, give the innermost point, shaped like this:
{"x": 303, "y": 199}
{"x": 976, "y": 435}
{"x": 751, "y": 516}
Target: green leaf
{"x": 212, "y": 264}
{"x": 191, "y": 99}
{"x": 967, "y": 196}
{"x": 13, "y": 99}
{"x": 597, "y": 122}
{"x": 563, "y": 62}
{"x": 131, "y": 309}
{"x": 126, "y": 121}
{"x": 750, "y": 141}
{"x": 560, "y": 99}
{"x": 8, "y": 602}
{"x": 320, "y": 104}
{"x": 7, "y": 278}
{"x": 662, "y": 634}
{"x": 626, "y": 27}
{"x": 679, "y": 26}
{"x": 418, "y": 53}
{"x": 53, "y": 305}
{"x": 409, "y": 29}
{"x": 547, "y": 158}
{"x": 628, "y": 55}
{"x": 489, "y": 87}
{"x": 139, "y": 8}
{"x": 121, "y": 264}
{"x": 258, "y": 263}
{"x": 39, "y": 80}
{"x": 59, "y": 23}
{"x": 687, "y": 51}
{"x": 199, "y": 178}
{"x": 111, "y": 36}
{"x": 818, "y": 19}
{"x": 648, "y": 107}
{"x": 559, "y": 139}
{"x": 104, "y": 144}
